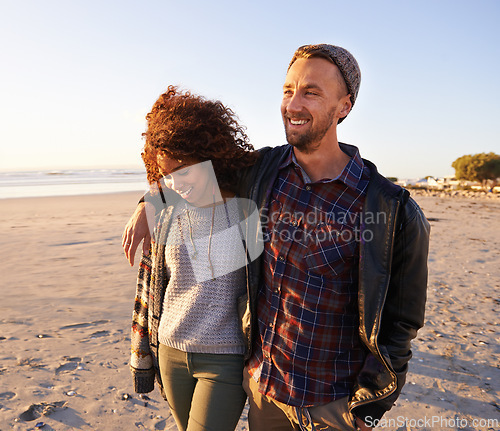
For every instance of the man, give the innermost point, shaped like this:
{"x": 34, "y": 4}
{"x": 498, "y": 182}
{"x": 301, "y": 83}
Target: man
{"x": 339, "y": 292}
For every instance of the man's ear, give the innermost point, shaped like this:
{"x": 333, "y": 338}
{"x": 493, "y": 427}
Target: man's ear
{"x": 344, "y": 106}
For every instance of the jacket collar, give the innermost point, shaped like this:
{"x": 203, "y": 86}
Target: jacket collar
{"x": 350, "y": 175}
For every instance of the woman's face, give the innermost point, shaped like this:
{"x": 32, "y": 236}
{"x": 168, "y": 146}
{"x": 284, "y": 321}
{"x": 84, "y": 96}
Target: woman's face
{"x": 193, "y": 180}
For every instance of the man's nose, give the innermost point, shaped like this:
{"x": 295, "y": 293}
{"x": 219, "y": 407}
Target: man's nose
{"x": 294, "y": 104}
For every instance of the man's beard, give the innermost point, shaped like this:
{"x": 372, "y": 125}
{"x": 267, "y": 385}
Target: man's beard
{"x": 309, "y": 141}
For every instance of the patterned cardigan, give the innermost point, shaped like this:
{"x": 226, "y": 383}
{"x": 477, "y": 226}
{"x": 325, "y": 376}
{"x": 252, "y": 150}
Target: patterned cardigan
{"x": 152, "y": 281}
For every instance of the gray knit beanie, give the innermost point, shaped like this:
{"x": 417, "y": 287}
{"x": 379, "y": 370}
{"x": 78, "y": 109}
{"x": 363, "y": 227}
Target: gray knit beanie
{"x": 342, "y": 58}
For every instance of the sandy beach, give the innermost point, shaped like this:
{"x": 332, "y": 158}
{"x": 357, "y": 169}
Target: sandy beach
{"x": 66, "y": 301}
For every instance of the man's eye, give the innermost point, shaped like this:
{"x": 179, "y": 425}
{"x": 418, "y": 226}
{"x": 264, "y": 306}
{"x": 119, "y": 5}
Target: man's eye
{"x": 183, "y": 172}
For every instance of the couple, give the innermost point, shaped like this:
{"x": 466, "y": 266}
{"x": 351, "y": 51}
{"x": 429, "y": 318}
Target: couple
{"x": 316, "y": 329}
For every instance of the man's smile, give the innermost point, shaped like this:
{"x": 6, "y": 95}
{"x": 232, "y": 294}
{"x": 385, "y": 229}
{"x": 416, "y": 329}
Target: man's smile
{"x": 298, "y": 122}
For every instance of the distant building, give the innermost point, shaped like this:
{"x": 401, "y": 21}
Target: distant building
{"x": 421, "y": 182}
{"x": 443, "y": 183}
{"x": 449, "y": 182}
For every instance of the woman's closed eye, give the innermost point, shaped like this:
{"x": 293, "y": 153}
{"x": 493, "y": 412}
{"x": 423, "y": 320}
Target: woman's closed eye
{"x": 183, "y": 172}
{"x": 180, "y": 172}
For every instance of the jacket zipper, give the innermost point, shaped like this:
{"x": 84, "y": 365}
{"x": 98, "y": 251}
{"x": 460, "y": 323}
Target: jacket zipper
{"x": 380, "y": 356}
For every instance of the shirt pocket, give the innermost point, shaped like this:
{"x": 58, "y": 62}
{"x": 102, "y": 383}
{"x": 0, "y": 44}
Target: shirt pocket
{"x": 277, "y": 228}
{"x": 331, "y": 249}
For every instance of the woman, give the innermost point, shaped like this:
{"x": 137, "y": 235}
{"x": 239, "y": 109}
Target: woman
{"x": 185, "y": 329}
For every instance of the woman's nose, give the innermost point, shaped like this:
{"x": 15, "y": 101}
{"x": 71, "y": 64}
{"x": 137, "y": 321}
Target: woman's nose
{"x": 176, "y": 182}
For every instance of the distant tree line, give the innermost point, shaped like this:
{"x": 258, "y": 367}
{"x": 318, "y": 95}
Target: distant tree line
{"x": 482, "y": 167}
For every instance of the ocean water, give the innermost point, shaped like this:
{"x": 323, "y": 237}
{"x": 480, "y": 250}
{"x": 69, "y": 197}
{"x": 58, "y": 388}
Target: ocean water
{"x": 70, "y": 182}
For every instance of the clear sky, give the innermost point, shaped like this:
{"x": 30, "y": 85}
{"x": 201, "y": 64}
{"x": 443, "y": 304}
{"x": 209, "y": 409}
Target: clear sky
{"x": 77, "y": 77}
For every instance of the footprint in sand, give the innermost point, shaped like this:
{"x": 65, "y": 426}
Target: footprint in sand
{"x": 85, "y": 324}
{"x": 161, "y": 425}
{"x": 71, "y": 364}
{"x": 99, "y": 334}
{"x": 94, "y": 335}
{"x": 43, "y": 409}
{"x": 5, "y": 396}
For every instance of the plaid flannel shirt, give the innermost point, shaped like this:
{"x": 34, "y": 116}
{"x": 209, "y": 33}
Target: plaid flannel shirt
{"x": 308, "y": 350}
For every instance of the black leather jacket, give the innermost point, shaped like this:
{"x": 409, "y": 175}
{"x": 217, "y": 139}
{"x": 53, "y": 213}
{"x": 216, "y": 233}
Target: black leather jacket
{"x": 392, "y": 280}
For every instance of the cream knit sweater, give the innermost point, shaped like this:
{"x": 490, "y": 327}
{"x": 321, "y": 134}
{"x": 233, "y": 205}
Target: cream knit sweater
{"x": 200, "y": 312}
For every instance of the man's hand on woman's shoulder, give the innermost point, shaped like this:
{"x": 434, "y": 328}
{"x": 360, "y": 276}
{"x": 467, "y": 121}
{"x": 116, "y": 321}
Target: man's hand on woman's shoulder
{"x": 136, "y": 230}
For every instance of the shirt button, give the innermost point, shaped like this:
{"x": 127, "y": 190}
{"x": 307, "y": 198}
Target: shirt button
{"x": 281, "y": 258}
{"x": 266, "y": 355}
{"x": 308, "y": 188}
{"x": 271, "y": 325}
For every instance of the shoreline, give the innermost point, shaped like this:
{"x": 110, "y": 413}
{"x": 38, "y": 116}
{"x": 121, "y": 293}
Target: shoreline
{"x": 74, "y": 195}
{"x": 69, "y": 182}
{"x": 415, "y": 192}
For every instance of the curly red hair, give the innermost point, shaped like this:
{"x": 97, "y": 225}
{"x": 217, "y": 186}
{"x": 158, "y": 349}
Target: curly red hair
{"x": 182, "y": 125}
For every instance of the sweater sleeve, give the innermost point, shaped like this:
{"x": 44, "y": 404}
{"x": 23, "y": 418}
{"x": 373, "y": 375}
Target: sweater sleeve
{"x": 141, "y": 362}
